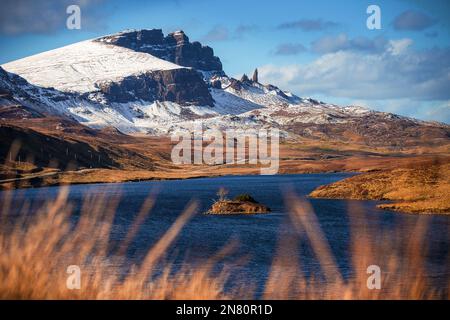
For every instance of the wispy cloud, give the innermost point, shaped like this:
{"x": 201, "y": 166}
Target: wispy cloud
{"x": 431, "y": 34}
{"x": 223, "y": 33}
{"x": 342, "y": 42}
{"x": 413, "y": 21}
{"x": 246, "y": 28}
{"x": 308, "y": 25}
{"x": 217, "y": 33}
{"x": 285, "y": 49}
{"x": 440, "y": 112}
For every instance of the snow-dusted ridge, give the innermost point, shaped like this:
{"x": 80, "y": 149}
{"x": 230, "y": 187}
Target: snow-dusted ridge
{"x": 82, "y": 66}
{"x": 68, "y": 82}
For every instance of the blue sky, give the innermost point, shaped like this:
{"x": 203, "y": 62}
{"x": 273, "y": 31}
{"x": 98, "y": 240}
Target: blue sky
{"x": 321, "y": 49}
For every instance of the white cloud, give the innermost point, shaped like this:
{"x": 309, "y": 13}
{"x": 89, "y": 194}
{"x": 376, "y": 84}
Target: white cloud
{"x": 392, "y": 74}
{"x": 439, "y": 112}
{"x": 425, "y": 110}
{"x": 397, "y": 47}
{"x": 397, "y": 79}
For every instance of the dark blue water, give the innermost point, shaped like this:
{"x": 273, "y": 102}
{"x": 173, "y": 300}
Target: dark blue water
{"x": 257, "y": 235}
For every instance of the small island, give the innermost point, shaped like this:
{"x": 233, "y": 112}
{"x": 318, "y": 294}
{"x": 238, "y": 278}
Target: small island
{"x": 241, "y": 204}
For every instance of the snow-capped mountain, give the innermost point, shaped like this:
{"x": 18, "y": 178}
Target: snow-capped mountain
{"x": 143, "y": 81}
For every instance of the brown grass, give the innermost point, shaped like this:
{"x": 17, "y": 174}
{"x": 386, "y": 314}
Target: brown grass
{"x": 403, "y": 269}
{"x": 237, "y": 207}
{"x": 36, "y": 250}
{"x": 138, "y": 158}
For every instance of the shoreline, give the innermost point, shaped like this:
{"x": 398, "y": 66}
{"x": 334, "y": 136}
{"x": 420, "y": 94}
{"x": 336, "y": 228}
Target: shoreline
{"x": 415, "y": 190}
{"x": 351, "y": 164}
{"x": 391, "y": 205}
{"x": 162, "y": 178}
{"x": 371, "y": 178}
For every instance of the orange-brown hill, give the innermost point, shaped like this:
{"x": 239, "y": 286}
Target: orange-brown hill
{"x": 49, "y": 146}
{"x": 422, "y": 188}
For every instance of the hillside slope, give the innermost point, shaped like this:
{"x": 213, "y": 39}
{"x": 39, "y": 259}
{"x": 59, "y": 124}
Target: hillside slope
{"x": 423, "y": 188}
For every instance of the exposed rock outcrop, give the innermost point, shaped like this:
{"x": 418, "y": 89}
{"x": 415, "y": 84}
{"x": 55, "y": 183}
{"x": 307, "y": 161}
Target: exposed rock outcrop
{"x": 237, "y": 207}
{"x": 235, "y": 84}
{"x": 217, "y": 84}
{"x": 242, "y": 204}
{"x": 255, "y": 76}
{"x": 245, "y": 78}
{"x": 17, "y": 103}
{"x": 184, "y": 86}
{"x": 175, "y": 47}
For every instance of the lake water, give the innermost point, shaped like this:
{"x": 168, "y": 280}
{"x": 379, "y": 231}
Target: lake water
{"x": 204, "y": 235}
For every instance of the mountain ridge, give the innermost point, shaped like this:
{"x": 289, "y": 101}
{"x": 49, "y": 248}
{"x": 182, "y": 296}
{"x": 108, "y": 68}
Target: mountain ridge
{"x": 175, "y": 47}
{"x": 117, "y": 83}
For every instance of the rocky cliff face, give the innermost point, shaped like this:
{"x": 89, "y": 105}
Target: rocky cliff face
{"x": 183, "y": 86}
{"x": 15, "y": 100}
{"x": 175, "y": 47}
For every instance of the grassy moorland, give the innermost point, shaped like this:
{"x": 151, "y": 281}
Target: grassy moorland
{"x": 45, "y": 151}
{"x": 51, "y": 151}
{"x": 37, "y": 249}
{"x": 418, "y": 188}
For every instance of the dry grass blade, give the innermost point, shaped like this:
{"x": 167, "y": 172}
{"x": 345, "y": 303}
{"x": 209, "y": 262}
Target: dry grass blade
{"x": 38, "y": 247}
{"x": 159, "y": 249}
{"x": 145, "y": 210}
{"x": 37, "y": 250}
{"x": 305, "y": 220}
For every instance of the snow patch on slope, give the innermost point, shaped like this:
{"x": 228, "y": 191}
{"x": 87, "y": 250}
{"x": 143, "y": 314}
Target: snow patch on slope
{"x": 81, "y": 66}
